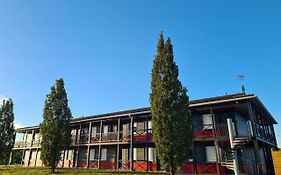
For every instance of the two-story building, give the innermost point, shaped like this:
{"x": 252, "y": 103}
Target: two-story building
{"x": 124, "y": 140}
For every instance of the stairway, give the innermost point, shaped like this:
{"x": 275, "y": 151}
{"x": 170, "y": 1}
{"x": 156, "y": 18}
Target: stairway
{"x": 240, "y": 141}
{"x": 226, "y": 157}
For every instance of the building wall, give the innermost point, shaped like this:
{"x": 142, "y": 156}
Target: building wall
{"x": 276, "y": 155}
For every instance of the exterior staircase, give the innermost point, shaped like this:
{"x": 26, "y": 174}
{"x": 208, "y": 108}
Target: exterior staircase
{"x": 227, "y": 156}
{"x": 240, "y": 141}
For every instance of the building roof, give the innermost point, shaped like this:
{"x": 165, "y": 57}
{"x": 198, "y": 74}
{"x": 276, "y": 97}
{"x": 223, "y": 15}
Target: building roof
{"x": 193, "y": 103}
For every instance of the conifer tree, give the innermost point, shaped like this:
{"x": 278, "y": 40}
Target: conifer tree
{"x": 55, "y": 128}
{"x": 7, "y": 130}
{"x": 171, "y": 118}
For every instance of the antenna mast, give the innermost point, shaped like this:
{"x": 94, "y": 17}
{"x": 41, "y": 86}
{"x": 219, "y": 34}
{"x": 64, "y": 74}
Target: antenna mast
{"x": 241, "y": 78}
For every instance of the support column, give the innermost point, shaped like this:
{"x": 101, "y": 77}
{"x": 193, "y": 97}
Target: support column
{"x": 10, "y": 158}
{"x": 255, "y": 142}
{"x": 89, "y": 141}
{"x": 78, "y": 143}
{"x": 132, "y": 144}
{"x": 146, "y": 145}
{"x": 99, "y": 158}
{"x": 194, "y": 158}
{"x": 215, "y": 141}
{"x": 22, "y": 156}
{"x": 118, "y": 146}
{"x": 63, "y": 158}
{"x": 32, "y": 135}
{"x": 36, "y": 157}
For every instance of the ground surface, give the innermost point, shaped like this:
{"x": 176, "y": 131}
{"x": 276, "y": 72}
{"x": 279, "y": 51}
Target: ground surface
{"x": 19, "y": 170}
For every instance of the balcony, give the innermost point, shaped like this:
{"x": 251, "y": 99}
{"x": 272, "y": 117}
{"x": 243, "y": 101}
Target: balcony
{"x": 264, "y": 135}
{"x": 109, "y": 137}
{"x": 19, "y": 144}
{"x": 206, "y": 131}
{"x": 23, "y": 144}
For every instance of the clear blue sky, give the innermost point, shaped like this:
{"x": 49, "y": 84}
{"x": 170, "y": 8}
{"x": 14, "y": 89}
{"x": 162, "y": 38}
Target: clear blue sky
{"x": 104, "y": 51}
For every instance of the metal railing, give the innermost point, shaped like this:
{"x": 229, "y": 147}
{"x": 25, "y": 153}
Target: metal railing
{"x": 109, "y": 136}
{"x": 264, "y": 135}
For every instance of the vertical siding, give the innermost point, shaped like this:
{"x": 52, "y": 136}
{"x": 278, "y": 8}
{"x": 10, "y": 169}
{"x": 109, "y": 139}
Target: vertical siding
{"x": 276, "y": 156}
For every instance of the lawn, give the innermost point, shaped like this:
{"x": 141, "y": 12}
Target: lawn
{"x": 19, "y": 170}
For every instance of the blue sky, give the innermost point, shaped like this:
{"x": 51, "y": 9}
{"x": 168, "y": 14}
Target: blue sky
{"x": 104, "y": 51}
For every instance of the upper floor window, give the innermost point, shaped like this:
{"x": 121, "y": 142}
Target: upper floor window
{"x": 207, "y": 121}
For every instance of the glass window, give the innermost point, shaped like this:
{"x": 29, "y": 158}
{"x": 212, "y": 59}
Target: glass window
{"x": 103, "y": 154}
{"x": 92, "y": 154}
{"x": 139, "y": 154}
{"x": 207, "y": 121}
{"x": 210, "y": 153}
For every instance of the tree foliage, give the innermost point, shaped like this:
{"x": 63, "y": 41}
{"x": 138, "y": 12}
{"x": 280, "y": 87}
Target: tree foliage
{"x": 171, "y": 118}
{"x": 7, "y": 130}
{"x": 55, "y": 128}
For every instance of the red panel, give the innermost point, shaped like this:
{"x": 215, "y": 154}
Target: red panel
{"x": 210, "y": 168}
{"x": 107, "y": 165}
{"x": 140, "y": 138}
{"x": 187, "y": 168}
{"x": 81, "y": 163}
{"x": 203, "y": 134}
{"x": 93, "y": 164}
{"x": 141, "y": 166}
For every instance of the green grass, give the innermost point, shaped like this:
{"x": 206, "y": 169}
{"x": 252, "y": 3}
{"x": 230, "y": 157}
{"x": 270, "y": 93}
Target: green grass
{"x": 20, "y": 170}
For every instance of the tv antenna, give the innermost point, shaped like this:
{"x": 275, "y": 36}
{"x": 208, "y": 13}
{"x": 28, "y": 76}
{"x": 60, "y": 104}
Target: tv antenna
{"x": 241, "y": 78}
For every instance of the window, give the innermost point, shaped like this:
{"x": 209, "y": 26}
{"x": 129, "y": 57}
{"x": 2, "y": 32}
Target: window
{"x": 149, "y": 124}
{"x": 210, "y": 153}
{"x": 82, "y": 154}
{"x": 139, "y": 154}
{"x": 103, "y": 154}
{"x": 151, "y": 154}
{"x": 73, "y": 132}
{"x": 105, "y": 129}
{"x": 33, "y": 155}
{"x": 207, "y": 121}
{"x": 94, "y": 131}
{"x": 92, "y": 154}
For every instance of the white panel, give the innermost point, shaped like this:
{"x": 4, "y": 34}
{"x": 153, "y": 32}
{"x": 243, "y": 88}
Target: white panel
{"x": 92, "y": 154}
{"x": 33, "y": 155}
{"x": 73, "y": 132}
{"x": 207, "y": 121}
{"x": 135, "y": 153}
{"x": 103, "y": 154}
{"x": 149, "y": 124}
{"x": 26, "y": 157}
{"x": 114, "y": 128}
{"x": 210, "y": 153}
{"x": 125, "y": 153}
{"x": 39, "y": 155}
{"x": 105, "y": 129}
{"x": 151, "y": 154}
{"x": 94, "y": 131}
{"x": 29, "y": 137}
{"x": 70, "y": 154}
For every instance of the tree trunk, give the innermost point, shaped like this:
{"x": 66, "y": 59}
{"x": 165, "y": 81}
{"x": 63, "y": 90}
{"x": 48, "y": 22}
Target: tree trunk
{"x": 172, "y": 170}
{"x": 53, "y": 169}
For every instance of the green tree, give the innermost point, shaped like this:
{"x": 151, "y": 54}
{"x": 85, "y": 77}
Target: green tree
{"x": 55, "y": 128}
{"x": 171, "y": 118}
{"x": 7, "y": 130}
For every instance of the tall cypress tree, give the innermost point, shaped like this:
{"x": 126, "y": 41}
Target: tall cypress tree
{"x": 7, "y": 130}
{"x": 55, "y": 128}
{"x": 171, "y": 118}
